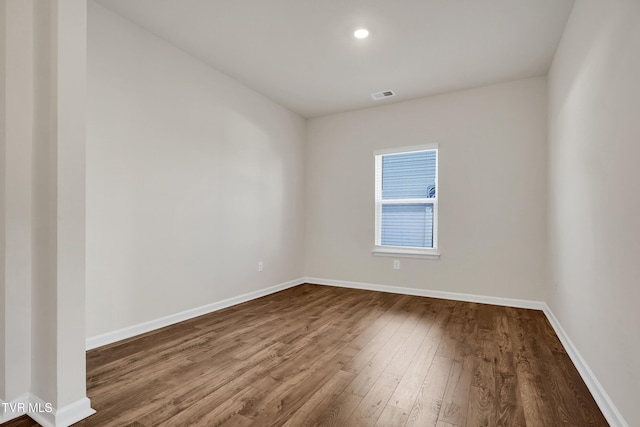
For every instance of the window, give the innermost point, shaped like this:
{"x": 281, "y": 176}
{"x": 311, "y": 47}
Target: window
{"x": 407, "y": 202}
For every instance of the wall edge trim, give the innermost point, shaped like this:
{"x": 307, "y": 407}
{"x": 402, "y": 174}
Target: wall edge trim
{"x": 604, "y": 402}
{"x": 7, "y": 415}
{"x": 61, "y": 417}
{"x": 48, "y": 416}
{"x": 456, "y": 296}
{"x": 141, "y": 328}
{"x": 606, "y": 405}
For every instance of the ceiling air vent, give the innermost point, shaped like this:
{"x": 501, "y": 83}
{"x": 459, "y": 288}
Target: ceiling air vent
{"x": 381, "y": 95}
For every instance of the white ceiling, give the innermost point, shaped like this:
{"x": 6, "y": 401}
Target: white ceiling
{"x": 302, "y": 53}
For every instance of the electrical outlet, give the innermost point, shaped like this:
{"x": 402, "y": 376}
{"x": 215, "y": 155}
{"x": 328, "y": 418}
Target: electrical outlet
{"x": 260, "y": 266}
{"x": 396, "y": 264}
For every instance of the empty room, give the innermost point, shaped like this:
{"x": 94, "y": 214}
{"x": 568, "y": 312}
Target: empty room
{"x": 319, "y": 213}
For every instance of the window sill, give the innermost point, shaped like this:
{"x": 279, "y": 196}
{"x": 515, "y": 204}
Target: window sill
{"x": 405, "y": 252}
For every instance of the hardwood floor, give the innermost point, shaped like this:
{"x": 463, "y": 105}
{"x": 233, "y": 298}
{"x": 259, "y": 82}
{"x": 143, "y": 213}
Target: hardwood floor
{"x": 325, "y": 356}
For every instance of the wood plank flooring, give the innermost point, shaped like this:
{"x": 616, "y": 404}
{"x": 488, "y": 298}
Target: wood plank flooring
{"x": 324, "y": 356}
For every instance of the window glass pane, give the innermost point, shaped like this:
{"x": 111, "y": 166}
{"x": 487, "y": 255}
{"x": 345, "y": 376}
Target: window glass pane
{"x": 409, "y": 175}
{"x": 407, "y": 225}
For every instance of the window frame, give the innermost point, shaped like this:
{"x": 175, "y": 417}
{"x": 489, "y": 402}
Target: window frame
{"x": 404, "y": 251}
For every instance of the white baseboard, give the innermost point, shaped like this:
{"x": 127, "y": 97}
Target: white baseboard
{"x": 61, "y": 417}
{"x": 609, "y": 410}
{"x": 606, "y": 405}
{"x": 141, "y": 328}
{"x": 13, "y": 409}
{"x": 43, "y": 412}
{"x": 508, "y": 302}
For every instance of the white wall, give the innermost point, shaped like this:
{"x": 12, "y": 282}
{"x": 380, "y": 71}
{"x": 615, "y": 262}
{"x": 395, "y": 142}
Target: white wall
{"x": 594, "y": 149}
{"x": 16, "y": 134}
{"x": 58, "y": 209}
{"x": 3, "y": 40}
{"x": 192, "y": 179}
{"x": 42, "y": 285}
{"x": 492, "y": 200}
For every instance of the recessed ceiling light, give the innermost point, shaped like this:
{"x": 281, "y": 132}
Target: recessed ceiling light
{"x": 361, "y": 33}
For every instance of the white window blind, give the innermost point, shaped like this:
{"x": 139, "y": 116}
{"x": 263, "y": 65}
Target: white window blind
{"x": 407, "y": 199}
